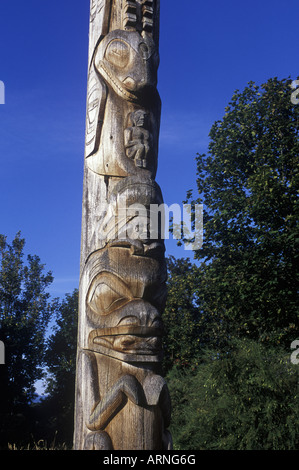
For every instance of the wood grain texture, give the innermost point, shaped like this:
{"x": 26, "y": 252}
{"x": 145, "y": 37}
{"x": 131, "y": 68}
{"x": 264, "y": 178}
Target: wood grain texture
{"x": 122, "y": 401}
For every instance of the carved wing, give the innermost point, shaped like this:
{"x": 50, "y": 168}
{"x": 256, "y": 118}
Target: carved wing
{"x": 96, "y": 89}
{"x": 96, "y": 101}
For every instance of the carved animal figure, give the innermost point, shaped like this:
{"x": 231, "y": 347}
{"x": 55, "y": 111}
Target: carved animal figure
{"x": 123, "y": 78}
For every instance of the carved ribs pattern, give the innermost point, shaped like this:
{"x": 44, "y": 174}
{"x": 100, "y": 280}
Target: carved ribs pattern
{"x": 138, "y": 15}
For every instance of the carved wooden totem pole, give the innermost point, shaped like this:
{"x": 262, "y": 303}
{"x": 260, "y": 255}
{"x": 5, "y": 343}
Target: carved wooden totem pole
{"x": 122, "y": 401}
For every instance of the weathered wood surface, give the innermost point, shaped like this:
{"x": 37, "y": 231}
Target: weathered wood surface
{"x": 122, "y": 401}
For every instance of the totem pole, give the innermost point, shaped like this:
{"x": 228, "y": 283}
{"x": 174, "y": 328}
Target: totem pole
{"x": 122, "y": 401}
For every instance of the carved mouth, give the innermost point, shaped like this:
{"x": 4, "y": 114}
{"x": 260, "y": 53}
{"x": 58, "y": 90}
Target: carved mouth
{"x": 129, "y": 336}
{"x": 130, "y": 344}
{"x": 127, "y": 340}
{"x": 125, "y": 330}
{"x": 117, "y": 86}
{"x": 137, "y": 247}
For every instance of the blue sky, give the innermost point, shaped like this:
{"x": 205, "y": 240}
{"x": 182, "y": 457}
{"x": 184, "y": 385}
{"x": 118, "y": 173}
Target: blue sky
{"x": 207, "y": 49}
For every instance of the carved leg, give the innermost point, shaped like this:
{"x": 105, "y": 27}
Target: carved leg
{"x": 98, "y": 441}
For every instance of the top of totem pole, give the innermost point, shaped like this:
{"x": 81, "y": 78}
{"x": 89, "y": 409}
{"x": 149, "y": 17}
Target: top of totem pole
{"x": 127, "y": 15}
{"x": 122, "y": 76}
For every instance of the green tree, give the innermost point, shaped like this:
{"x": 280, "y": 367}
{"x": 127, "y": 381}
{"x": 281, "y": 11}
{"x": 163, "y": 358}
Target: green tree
{"x": 246, "y": 399}
{"x": 248, "y": 183}
{"x": 58, "y": 406}
{"x": 25, "y": 311}
{"x": 181, "y": 317}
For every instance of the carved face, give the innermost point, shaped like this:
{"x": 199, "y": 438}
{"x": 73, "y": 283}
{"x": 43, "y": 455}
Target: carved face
{"x": 119, "y": 277}
{"x": 125, "y": 298}
{"x": 128, "y": 63}
{"x": 139, "y": 118}
{"x": 130, "y": 214}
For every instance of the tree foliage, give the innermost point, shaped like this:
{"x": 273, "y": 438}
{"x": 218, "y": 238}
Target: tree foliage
{"x": 58, "y": 406}
{"x": 244, "y": 400}
{"x": 248, "y": 183}
{"x": 25, "y": 311}
{"x": 181, "y": 316}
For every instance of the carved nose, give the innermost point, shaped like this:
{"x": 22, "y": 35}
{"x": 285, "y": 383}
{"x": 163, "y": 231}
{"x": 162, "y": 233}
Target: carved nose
{"x": 140, "y": 313}
{"x": 136, "y": 316}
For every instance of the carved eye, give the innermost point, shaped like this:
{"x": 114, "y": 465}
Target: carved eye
{"x": 105, "y": 299}
{"x": 144, "y": 50}
{"x": 118, "y": 53}
{"x": 106, "y": 294}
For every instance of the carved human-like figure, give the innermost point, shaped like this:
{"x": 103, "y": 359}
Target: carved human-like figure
{"x": 138, "y": 141}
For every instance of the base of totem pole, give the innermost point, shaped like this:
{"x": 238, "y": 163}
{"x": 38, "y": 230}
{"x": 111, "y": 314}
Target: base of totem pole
{"x": 135, "y": 411}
